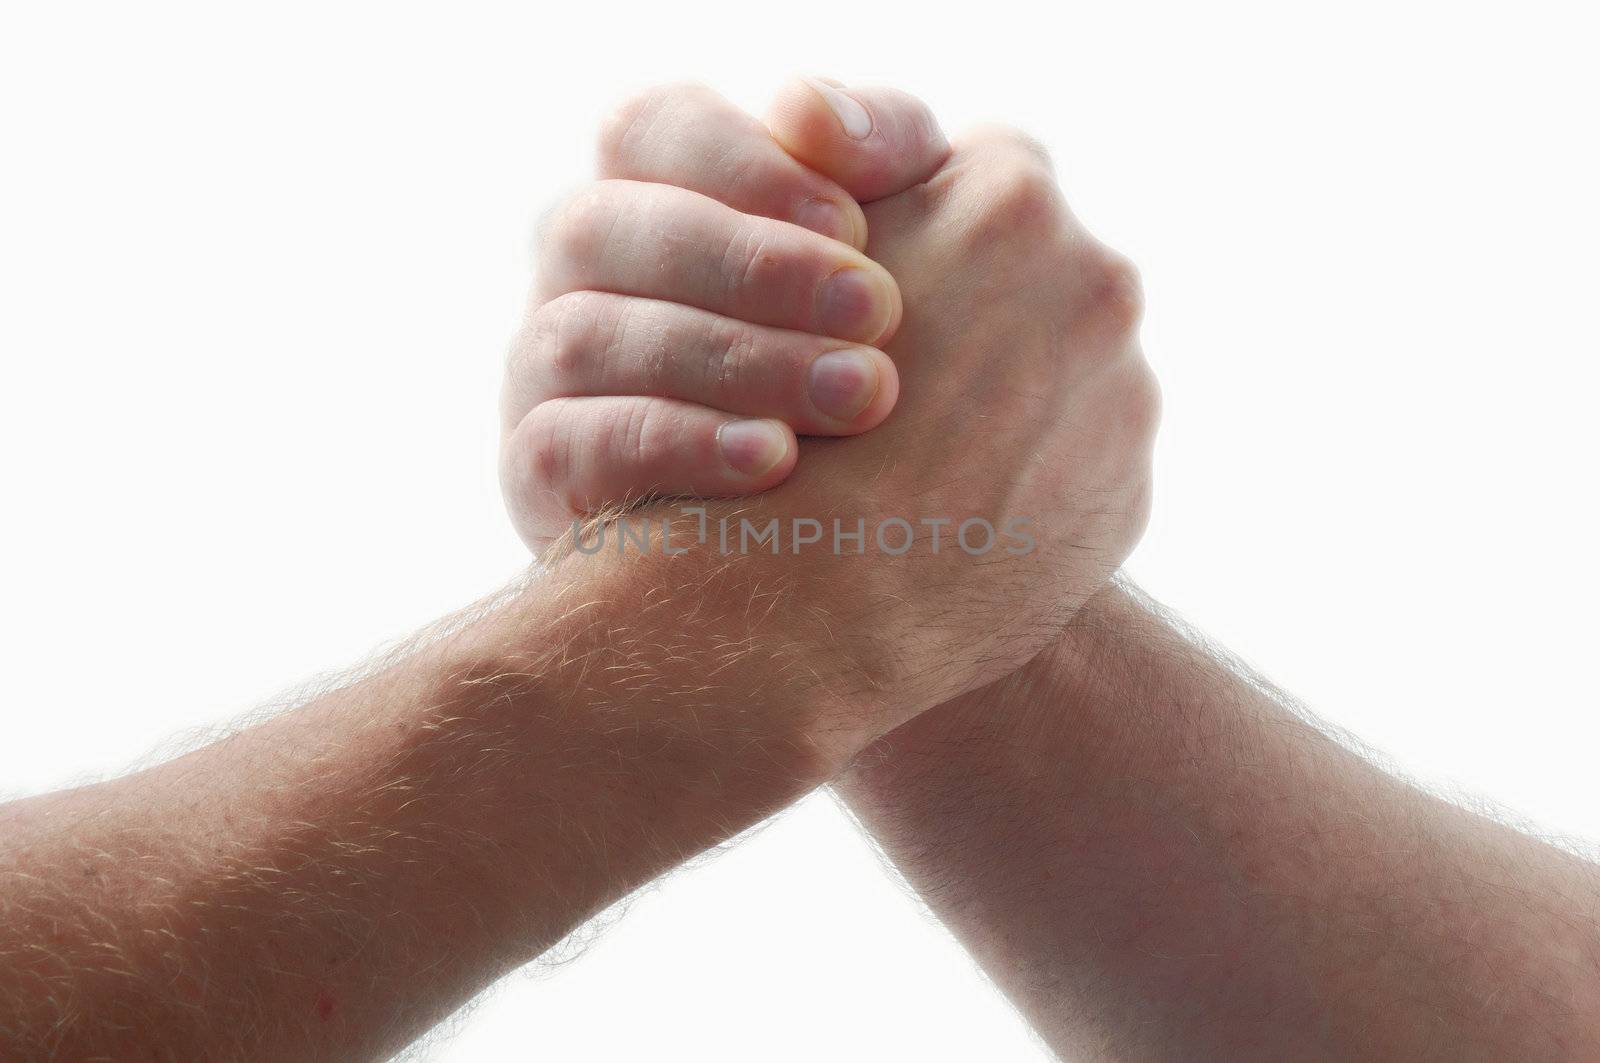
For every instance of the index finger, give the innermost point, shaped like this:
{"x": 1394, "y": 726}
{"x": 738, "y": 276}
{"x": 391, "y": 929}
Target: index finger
{"x": 688, "y": 136}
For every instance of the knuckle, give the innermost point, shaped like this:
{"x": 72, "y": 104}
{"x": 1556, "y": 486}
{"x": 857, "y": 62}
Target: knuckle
{"x": 1002, "y": 140}
{"x": 626, "y": 131}
{"x": 749, "y": 262}
{"x": 576, "y": 231}
{"x": 1114, "y": 295}
{"x": 1019, "y": 197}
{"x": 563, "y": 333}
{"x": 636, "y": 438}
{"x": 1025, "y": 145}
{"x": 729, "y": 353}
{"x": 1137, "y": 402}
{"x": 1006, "y": 188}
{"x": 626, "y": 125}
{"x": 544, "y": 459}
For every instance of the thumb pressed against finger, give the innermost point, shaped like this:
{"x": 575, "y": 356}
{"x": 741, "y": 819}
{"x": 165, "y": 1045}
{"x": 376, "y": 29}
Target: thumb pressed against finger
{"x": 873, "y": 141}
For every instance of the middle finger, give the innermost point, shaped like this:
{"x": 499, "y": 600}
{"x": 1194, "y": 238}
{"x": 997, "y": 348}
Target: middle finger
{"x": 662, "y": 242}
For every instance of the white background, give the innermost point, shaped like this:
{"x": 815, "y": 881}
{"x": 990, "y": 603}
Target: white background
{"x": 258, "y": 266}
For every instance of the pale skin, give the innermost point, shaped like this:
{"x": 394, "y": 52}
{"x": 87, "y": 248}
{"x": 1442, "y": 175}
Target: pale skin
{"x": 1157, "y": 859}
{"x": 330, "y": 884}
{"x": 333, "y": 882}
{"x": 1151, "y": 851}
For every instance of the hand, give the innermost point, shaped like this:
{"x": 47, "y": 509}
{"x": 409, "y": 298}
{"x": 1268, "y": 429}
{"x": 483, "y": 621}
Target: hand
{"x": 1024, "y": 395}
{"x": 687, "y": 321}
{"x": 1026, "y": 398}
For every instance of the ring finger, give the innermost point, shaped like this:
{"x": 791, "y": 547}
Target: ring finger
{"x": 597, "y": 343}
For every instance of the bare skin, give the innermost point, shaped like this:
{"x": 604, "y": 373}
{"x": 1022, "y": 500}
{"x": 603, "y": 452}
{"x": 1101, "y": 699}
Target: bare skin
{"x": 1011, "y": 399}
{"x": 1150, "y": 851}
{"x": 329, "y": 884}
{"x": 1156, "y": 858}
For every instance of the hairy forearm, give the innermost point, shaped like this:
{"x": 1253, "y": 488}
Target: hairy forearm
{"x": 1157, "y": 859}
{"x": 332, "y": 882}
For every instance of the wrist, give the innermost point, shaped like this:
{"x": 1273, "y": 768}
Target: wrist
{"x": 1072, "y": 699}
{"x": 795, "y": 640}
{"x": 586, "y": 734}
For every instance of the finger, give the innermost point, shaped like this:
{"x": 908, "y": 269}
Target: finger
{"x": 569, "y": 457}
{"x": 597, "y": 343}
{"x": 662, "y": 242}
{"x": 875, "y": 142}
{"x": 687, "y": 135}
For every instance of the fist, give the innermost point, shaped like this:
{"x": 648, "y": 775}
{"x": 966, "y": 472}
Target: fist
{"x": 1026, "y": 404}
{"x": 710, "y": 299}
{"x": 694, "y": 309}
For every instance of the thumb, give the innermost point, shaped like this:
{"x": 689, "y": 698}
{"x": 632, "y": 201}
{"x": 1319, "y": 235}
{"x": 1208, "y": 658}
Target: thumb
{"x": 874, "y": 142}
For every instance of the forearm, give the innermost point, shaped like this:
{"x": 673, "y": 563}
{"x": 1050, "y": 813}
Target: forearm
{"x": 334, "y": 881}
{"x": 1157, "y": 859}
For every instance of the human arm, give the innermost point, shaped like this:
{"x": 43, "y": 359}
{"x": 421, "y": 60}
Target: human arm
{"x": 332, "y": 882}
{"x": 1157, "y": 856}
{"x": 1022, "y": 396}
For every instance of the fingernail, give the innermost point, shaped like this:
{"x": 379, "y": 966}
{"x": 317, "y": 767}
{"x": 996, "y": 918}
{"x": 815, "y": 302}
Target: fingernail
{"x": 825, "y": 217}
{"x": 843, "y": 383}
{"x": 751, "y": 448}
{"x": 852, "y": 116}
{"x": 854, "y": 304}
